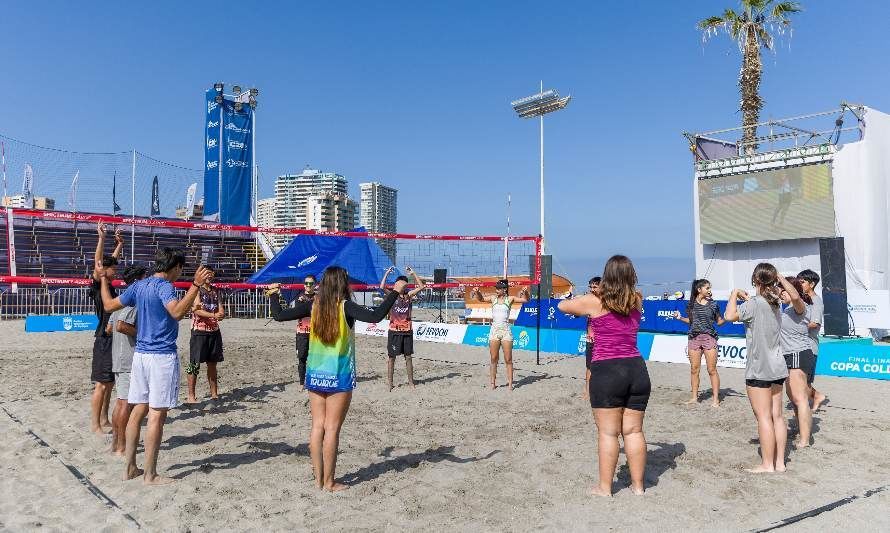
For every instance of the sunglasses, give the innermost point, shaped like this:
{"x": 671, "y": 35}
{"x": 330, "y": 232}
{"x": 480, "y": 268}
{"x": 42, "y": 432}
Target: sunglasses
{"x": 309, "y": 283}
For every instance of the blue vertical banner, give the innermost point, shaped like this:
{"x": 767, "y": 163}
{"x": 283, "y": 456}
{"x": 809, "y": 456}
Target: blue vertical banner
{"x": 212, "y": 155}
{"x": 155, "y": 198}
{"x": 237, "y": 164}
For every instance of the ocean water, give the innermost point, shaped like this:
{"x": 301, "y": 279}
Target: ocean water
{"x": 656, "y": 274}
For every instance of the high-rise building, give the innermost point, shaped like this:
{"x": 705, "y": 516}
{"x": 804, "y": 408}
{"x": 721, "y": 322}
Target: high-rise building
{"x": 292, "y": 192}
{"x": 35, "y": 202}
{"x": 379, "y": 213}
{"x": 330, "y": 212}
{"x": 265, "y": 216}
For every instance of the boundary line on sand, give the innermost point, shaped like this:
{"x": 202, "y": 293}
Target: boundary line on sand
{"x": 78, "y": 475}
{"x": 819, "y": 510}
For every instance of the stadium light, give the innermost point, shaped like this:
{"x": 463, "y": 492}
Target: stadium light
{"x": 218, "y": 87}
{"x": 538, "y": 105}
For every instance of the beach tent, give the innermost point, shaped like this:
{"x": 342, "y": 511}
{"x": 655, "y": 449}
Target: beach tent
{"x": 311, "y": 254}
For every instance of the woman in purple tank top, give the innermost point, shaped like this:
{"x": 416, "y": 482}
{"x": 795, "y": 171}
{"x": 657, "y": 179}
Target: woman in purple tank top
{"x": 619, "y": 382}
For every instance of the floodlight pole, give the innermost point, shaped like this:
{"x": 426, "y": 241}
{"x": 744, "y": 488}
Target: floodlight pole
{"x": 542, "y": 176}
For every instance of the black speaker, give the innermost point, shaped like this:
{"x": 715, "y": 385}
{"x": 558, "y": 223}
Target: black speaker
{"x": 440, "y": 275}
{"x": 546, "y": 286}
{"x": 834, "y": 286}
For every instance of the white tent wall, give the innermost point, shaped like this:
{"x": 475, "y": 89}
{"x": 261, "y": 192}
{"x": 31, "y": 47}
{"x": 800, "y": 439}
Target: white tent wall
{"x": 861, "y": 175}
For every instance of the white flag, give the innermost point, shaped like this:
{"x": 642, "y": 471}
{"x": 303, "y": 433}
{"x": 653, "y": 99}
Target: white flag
{"x": 28, "y": 182}
{"x": 190, "y": 199}
{"x": 72, "y": 194}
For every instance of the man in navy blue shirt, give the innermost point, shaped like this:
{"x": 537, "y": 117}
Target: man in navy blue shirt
{"x": 154, "y": 378}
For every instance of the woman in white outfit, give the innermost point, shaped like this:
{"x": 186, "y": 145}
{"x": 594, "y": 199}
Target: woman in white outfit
{"x": 500, "y": 335}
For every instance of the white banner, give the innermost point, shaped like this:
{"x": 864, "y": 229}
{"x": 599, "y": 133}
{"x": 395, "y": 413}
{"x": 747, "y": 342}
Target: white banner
{"x": 423, "y": 331}
{"x": 869, "y": 309}
{"x": 190, "y": 200}
{"x": 672, "y": 349}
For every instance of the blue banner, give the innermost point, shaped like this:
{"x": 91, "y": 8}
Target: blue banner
{"x": 572, "y": 342}
{"x": 237, "y": 164}
{"x": 212, "y": 156}
{"x": 855, "y": 360}
{"x": 44, "y": 323}
{"x": 551, "y": 318}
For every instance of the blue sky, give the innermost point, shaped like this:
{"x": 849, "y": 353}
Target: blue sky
{"x": 416, "y": 95}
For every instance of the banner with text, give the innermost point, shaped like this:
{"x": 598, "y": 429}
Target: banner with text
{"x": 672, "y": 349}
{"x": 46, "y": 323}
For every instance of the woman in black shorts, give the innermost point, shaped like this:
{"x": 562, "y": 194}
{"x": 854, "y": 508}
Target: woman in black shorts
{"x": 619, "y": 382}
{"x": 765, "y": 369}
{"x": 799, "y": 357}
{"x": 702, "y": 314}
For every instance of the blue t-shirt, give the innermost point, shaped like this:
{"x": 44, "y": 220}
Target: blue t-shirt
{"x": 156, "y": 330}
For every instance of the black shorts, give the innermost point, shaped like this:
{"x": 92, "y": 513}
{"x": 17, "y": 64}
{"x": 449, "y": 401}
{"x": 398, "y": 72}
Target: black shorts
{"x": 805, "y": 360}
{"x": 205, "y": 347}
{"x": 102, "y": 360}
{"x": 620, "y": 383}
{"x": 763, "y": 384}
{"x": 399, "y": 343}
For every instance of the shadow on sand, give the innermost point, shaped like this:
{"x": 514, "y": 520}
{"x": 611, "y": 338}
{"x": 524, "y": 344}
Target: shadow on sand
{"x": 411, "y": 460}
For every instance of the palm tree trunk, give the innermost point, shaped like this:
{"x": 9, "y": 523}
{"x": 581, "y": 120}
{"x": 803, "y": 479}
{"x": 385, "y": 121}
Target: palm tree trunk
{"x": 749, "y": 88}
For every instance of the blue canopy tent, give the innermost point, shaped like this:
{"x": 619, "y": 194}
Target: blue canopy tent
{"x": 362, "y": 258}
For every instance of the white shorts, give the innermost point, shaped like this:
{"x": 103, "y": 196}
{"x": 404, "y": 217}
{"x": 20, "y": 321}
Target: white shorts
{"x": 154, "y": 380}
{"x": 500, "y": 332}
{"x": 122, "y": 384}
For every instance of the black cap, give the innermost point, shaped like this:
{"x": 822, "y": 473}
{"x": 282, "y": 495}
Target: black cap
{"x": 109, "y": 261}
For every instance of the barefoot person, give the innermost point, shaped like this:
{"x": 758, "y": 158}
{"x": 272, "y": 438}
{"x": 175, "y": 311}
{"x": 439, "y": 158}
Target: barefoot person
{"x": 592, "y": 286}
{"x": 809, "y": 281}
{"x": 104, "y": 266}
{"x": 702, "y": 314}
{"x": 619, "y": 380}
{"x": 765, "y": 370}
{"x": 501, "y": 336}
{"x": 154, "y": 380}
{"x": 301, "y": 340}
{"x": 205, "y": 343}
{"x": 330, "y": 368}
{"x": 400, "y": 337}
{"x": 123, "y": 344}
{"x": 799, "y": 357}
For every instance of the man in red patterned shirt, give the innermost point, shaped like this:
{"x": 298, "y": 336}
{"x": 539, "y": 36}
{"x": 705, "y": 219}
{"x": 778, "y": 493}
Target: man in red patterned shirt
{"x": 205, "y": 345}
{"x": 400, "y": 338}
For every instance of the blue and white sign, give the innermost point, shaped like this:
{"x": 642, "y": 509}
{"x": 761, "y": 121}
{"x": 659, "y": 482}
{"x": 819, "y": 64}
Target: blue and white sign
{"x": 853, "y": 360}
{"x": 46, "y": 323}
{"x": 212, "y": 155}
{"x": 237, "y": 163}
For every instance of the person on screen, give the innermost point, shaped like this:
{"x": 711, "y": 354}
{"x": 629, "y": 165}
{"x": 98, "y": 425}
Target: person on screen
{"x": 702, "y": 314}
{"x": 785, "y": 197}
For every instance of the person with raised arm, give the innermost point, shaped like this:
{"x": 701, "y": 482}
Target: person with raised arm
{"x": 154, "y": 378}
{"x": 765, "y": 370}
{"x": 104, "y": 267}
{"x": 330, "y": 367}
{"x": 400, "y": 337}
{"x": 500, "y": 336}
{"x": 809, "y": 281}
{"x": 799, "y": 357}
{"x": 205, "y": 342}
{"x": 619, "y": 380}
{"x": 703, "y": 317}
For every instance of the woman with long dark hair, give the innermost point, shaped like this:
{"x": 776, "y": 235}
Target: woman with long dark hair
{"x": 765, "y": 370}
{"x": 619, "y": 381}
{"x": 702, "y": 314}
{"x": 799, "y": 356}
{"x": 330, "y": 366}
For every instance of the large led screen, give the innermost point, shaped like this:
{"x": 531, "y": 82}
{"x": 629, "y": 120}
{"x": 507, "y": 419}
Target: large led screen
{"x": 789, "y": 203}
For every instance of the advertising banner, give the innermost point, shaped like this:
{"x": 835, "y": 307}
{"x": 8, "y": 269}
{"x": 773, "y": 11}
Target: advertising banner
{"x": 212, "y": 155}
{"x": 658, "y": 316}
{"x": 854, "y": 360}
{"x": 237, "y": 163}
{"x": 423, "y": 331}
{"x": 551, "y": 318}
{"x": 869, "y": 310}
{"x": 672, "y": 349}
{"x": 571, "y": 342}
{"x": 46, "y": 323}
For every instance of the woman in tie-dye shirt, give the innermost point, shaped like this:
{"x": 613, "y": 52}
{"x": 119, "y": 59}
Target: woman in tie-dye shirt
{"x": 330, "y": 367}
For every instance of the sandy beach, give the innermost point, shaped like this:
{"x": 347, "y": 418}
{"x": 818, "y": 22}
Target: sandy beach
{"x": 450, "y": 455}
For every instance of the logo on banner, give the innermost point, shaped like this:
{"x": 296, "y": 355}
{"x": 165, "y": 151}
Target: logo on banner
{"x": 308, "y": 261}
{"x": 432, "y": 331}
{"x": 211, "y": 106}
{"x": 551, "y": 313}
{"x": 523, "y": 339}
{"x": 212, "y": 124}
{"x": 212, "y": 164}
{"x": 235, "y": 145}
{"x": 232, "y": 163}
{"x": 67, "y": 323}
{"x": 236, "y": 129}
{"x": 211, "y": 142}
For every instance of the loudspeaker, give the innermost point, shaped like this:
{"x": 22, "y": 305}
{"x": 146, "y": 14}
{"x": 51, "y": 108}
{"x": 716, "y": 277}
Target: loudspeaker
{"x": 439, "y": 276}
{"x": 834, "y": 286}
{"x": 546, "y": 286}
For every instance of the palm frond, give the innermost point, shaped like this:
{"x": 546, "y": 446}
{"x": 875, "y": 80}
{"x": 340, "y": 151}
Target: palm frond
{"x": 710, "y": 23}
{"x": 783, "y": 9}
{"x": 765, "y": 38}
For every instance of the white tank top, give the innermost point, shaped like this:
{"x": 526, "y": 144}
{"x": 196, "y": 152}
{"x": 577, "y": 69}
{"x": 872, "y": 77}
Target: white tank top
{"x": 500, "y": 311}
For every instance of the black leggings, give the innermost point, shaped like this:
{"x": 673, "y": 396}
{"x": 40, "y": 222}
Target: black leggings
{"x": 302, "y": 343}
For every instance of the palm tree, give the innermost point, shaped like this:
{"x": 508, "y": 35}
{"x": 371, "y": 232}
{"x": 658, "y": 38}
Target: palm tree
{"x": 752, "y": 28}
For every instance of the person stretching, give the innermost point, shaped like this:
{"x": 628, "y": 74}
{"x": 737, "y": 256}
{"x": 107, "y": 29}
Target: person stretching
{"x": 301, "y": 339}
{"x": 500, "y": 335}
{"x": 619, "y": 379}
{"x": 154, "y": 380}
{"x": 701, "y": 315}
{"x": 330, "y": 367}
{"x": 799, "y": 357}
{"x": 205, "y": 343}
{"x": 400, "y": 337}
{"x": 809, "y": 280}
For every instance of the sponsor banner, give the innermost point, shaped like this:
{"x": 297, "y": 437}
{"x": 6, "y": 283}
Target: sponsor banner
{"x": 212, "y": 155}
{"x": 423, "y": 331}
{"x": 869, "y": 309}
{"x": 551, "y": 318}
{"x": 44, "y": 323}
{"x": 854, "y": 360}
{"x": 237, "y": 163}
{"x": 658, "y": 317}
{"x": 567, "y": 341}
{"x": 672, "y": 349}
